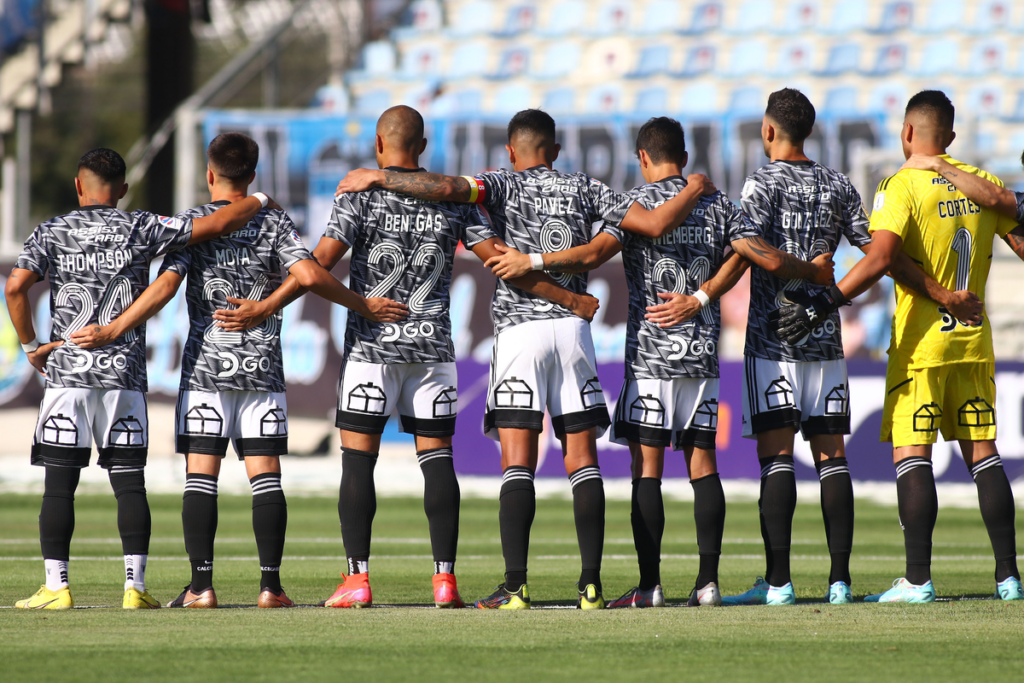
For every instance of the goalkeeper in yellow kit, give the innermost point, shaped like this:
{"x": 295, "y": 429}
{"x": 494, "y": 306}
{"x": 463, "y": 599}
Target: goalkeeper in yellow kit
{"x": 940, "y": 377}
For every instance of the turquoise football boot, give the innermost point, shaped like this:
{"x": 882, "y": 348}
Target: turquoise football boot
{"x": 904, "y": 591}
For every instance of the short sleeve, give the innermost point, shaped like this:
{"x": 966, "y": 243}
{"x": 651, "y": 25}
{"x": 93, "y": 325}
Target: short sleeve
{"x": 492, "y": 189}
{"x": 177, "y": 262}
{"x": 164, "y": 234}
{"x": 290, "y": 249}
{"x": 607, "y": 205}
{"x": 618, "y": 233}
{"x": 33, "y": 256}
{"x": 757, "y": 204}
{"x": 476, "y": 226}
{"x": 344, "y": 224}
{"x": 855, "y": 223}
{"x": 738, "y": 225}
{"x": 892, "y": 207}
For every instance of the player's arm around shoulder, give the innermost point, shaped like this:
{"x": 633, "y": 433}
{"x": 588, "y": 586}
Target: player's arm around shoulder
{"x": 227, "y": 219}
{"x": 431, "y": 187}
{"x": 984, "y": 190}
{"x": 670, "y": 215}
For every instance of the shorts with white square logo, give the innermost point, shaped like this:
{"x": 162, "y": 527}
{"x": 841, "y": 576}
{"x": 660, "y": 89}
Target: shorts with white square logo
{"x": 70, "y": 420}
{"x": 424, "y": 394}
{"x": 255, "y": 421}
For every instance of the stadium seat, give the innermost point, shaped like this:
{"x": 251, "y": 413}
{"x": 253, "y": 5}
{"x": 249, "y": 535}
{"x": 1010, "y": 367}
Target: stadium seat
{"x": 463, "y": 101}
{"x": 419, "y": 60}
{"x": 653, "y": 60}
{"x": 559, "y": 101}
{"x": 514, "y": 61}
{"x": 987, "y": 57}
{"x": 985, "y": 101}
{"x": 611, "y": 18}
{"x": 608, "y": 58}
{"x": 378, "y": 61}
{"x": 937, "y": 57}
{"x": 747, "y": 58}
{"x": 990, "y": 15}
{"x": 471, "y": 18}
{"x": 423, "y": 16}
{"x": 896, "y": 16}
{"x": 604, "y": 99}
{"x": 660, "y": 16}
{"x": 889, "y": 59}
{"x": 842, "y": 58}
{"x": 557, "y": 61}
{"x": 747, "y": 100}
{"x": 842, "y": 100}
{"x": 794, "y": 58}
{"x": 699, "y": 60}
{"x": 420, "y": 97}
{"x": 373, "y": 103}
{"x": 847, "y": 16}
{"x": 651, "y": 101}
{"x": 801, "y": 16}
{"x": 468, "y": 60}
{"x": 520, "y": 18}
{"x": 706, "y": 17}
{"x": 699, "y": 99}
{"x": 888, "y": 98}
{"x": 1018, "y": 109}
{"x": 564, "y": 18}
{"x": 940, "y": 16}
{"x": 512, "y": 98}
{"x": 752, "y": 16}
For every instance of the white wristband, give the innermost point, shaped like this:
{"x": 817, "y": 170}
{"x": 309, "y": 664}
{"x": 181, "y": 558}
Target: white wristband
{"x": 264, "y": 199}
{"x": 702, "y": 296}
{"x": 537, "y": 261}
{"x": 31, "y": 346}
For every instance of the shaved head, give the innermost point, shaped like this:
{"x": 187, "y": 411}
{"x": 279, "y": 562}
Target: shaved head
{"x": 401, "y": 127}
{"x": 928, "y": 123}
{"x": 531, "y": 130}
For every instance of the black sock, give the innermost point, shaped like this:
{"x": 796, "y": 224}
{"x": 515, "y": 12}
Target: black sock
{"x": 199, "y": 522}
{"x": 648, "y": 519}
{"x": 133, "y": 519}
{"x": 837, "y": 511}
{"x": 269, "y": 523}
{"x": 996, "y": 500}
{"x": 919, "y": 506}
{"x": 441, "y": 503}
{"x": 588, "y": 509}
{"x": 517, "y": 507}
{"x": 57, "y": 514}
{"x": 357, "y": 505}
{"x": 778, "y": 503}
{"x": 709, "y": 516}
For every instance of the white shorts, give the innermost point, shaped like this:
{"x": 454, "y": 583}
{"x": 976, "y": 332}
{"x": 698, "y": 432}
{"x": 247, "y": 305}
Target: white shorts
{"x": 653, "y": 411}
{"x": 812, "y": 398}
{"x": 425, "y": 395}
{"x": 545, "y": 364}
{"x": 256, "y": 421}
{"x": 70, "y": 420}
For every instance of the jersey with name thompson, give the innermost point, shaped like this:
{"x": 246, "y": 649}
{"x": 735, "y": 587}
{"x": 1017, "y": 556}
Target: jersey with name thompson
{"x": 403, "y": 249}
{"x": 802, "y": 208}
{"x": 680, "y": 261}
{"x": 98, "y": 261}
{"x": 246, "y": 264}
{"x": 542, "y": 210}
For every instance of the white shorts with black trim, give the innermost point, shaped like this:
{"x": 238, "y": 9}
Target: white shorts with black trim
{"x": 545, "y": 364}
{"x": 811, "y": 397}
{"x": 659, "y": 412}
{"x": 70, "y": 420}
{"x": 424, "y": 394}
{"x": 256, "y": 421}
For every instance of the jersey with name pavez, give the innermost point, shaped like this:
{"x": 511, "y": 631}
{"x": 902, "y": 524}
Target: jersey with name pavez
{"x": 542, "y": 210}
{"x": 802, "y": 208}
{"x": 403, "y": 249}
{"x": 98, "y": 261}
{"x": 680, "y": 261}
{"x": 246, "y": 264}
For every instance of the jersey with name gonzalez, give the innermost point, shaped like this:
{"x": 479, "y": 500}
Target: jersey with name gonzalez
{"x": 542, "y": 210}
{"x": 98, "y": 261}
{"x": 680, "y": 261}
{"x": 403, "y": 249}
{"x": 802, "y": 208}
{"x": 246, "y": 264}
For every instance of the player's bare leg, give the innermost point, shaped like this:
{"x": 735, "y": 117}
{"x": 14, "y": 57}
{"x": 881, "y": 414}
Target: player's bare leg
{"x": 441, "y": 497}
{"x": 269, "y": 525}
{"x": 199, "y": 523}
{"x": 580, "y": 455}
{"x": 829, "y": 452}
{"x": 709, "y": 517}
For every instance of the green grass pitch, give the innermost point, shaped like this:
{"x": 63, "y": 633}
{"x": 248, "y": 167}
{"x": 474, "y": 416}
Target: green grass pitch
{"x": 958, "y": 639}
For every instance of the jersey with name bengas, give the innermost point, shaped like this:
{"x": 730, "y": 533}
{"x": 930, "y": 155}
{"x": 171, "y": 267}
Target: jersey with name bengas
{"x": 680, "y": 261}
{"x": 802, "y": 208}
{"x": 403, "y": 249}
{"x": 246, "y": 265}
{"x": 98, "y": 261}
{"x": 541, "y": 210}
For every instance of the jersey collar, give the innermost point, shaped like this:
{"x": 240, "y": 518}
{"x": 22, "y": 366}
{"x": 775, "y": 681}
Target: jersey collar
{"x": 220, "y": 202}
{"x": 402, "y": 169}
{"x": 96, "y": 207}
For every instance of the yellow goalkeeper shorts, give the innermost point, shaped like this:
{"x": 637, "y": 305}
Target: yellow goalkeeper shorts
{"x": 957, "y": 399}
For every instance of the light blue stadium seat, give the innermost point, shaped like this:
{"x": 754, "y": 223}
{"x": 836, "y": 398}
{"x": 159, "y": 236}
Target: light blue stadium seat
{"x": 842, "y": 100}
{"x": 378, "y": 60}
{"x": 990, "y": 15}
{"x": 896, "y": 16}
{"x": 558, "y": 60}
{"x": 604, "y": 99}
{"x": 373, "y": 103}
{"x": 987, "y": 57}
{"x": 985, "y": 101}
{"x": 842, "y": 58}
{"x": 706, "y": 17}
{"x": 423, "y": 15}
{"x": 1018, "y": 108}
{"x": 565, "y": 18}
{"x": 559, "y": 101}
{"x": 651, "y": 101}
{"x": 468, "y": 60}
{"x": 847, "y": 16}
{"x": 888, "y": 98}
{"x": 612, "y": 18}
{"x": 799, "y": 16}
{"x": 699, "y": 60}
{"x": 514, "y": 61}
{"x": 512, "y": 98}
{"x": 471, "y": 19}
{"x": 746, "y": 100}
{"x": 654, "y": 59}
{"x": 748, "y": 57}
{"x": 889, "y": 59}
{"x": 660, "y": 16}
{"x": 420, "y": 60}
{"x": 464, "y": 101}
{"x": 937, "y": 57}
{"x": 940, "y": 16}
{"x": 754, "y": 16}
{"x": 699, "y": 99}
{"x": 520, "y": 18}
{"x": 794, "y": 58}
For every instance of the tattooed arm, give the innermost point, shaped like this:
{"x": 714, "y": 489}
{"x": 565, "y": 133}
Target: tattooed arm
{"x": 782, "y": 264}
{"x": 982, "y": 192}
{"x": 510, "y": 263}
{"x": 431, "y": 187}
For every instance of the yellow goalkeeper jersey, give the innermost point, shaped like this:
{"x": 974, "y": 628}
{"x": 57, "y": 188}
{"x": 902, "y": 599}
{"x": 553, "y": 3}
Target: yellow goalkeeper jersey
{"x": 950, "y": 238}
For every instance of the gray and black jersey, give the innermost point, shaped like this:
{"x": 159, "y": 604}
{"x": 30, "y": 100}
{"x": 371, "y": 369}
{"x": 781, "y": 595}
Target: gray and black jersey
{"x": 802, "y": 208}
{"x": 680, "y": 261}
{"x": 402, "y": 249}
{"x": 98, "y": 261}
{"x": 246, "y": 264}
{"x": 541, "y": 210}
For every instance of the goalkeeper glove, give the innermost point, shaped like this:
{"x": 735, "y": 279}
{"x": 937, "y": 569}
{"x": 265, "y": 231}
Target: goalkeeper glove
{"x": 800, "y": 312}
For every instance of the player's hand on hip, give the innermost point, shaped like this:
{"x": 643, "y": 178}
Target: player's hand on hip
{"x": 246, "y": 316}
{"x": 921, "y": 162}
{"x": 966, "y": 307}
{"x": 93, "y": 336}
{"x": 678, "y": 308}
{"x": 357, "y": 180}
{"x": 585, "y": 306}
{"x": 703, "y": 182}
{"x": 510, "y": 265}
{"x": 38, "y": 357}
{"x": 826, "y": 270}
{"x": 382, "y": 310}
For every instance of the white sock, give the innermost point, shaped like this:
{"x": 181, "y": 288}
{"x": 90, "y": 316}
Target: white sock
{"x": 56, "y": 574}
{"x": 135, "y": 572}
